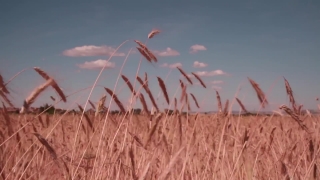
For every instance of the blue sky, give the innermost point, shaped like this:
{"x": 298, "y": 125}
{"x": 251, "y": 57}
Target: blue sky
{"x": 263, "y": 40}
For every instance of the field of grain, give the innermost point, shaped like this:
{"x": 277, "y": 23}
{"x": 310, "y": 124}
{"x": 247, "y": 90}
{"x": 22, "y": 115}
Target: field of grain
{"x": 157, "y": 144}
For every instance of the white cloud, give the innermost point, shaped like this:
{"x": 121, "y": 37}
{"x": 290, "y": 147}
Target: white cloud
{"x": 211, "y": 73}
{"x": 167, "y": 52}
{"x": 198, "y": 64}
{"x": 171, "y": 65}
{"x": 217, "y": 82}
{"x": 91, "y": 50}
{"x": 216, "y": 87}
{"x": 96, "y": 64}
{"x": 195, "y": 48}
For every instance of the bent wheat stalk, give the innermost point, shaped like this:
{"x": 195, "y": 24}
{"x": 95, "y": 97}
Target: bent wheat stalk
{"x": 34, "y": 94}
{"x": 241, "y": 105}
{"x": 153, "y": 33}
{"x": 195, "y": 100}
{"x": 260, "y": 94}
{"x": 54, "y": 83}
{"x": 199, "y": 79}
{"x": 184, "y": 74}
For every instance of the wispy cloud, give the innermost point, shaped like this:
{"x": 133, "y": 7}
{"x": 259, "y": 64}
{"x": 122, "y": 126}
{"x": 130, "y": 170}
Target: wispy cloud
{"x": 171, "y": 65}
{"x": 197, "y": 47}
{"x": 198, "y": 64}
{"x": 217, "y": 82}
{"x": 96, "y": 64}
{"x": 91, "y": 50}
{"x": 167, "y": 52}
{"x": 210, "y": 73}
{"x": 216, "y": 87}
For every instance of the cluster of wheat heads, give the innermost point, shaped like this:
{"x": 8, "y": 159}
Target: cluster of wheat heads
{"x": 160, "y": 145}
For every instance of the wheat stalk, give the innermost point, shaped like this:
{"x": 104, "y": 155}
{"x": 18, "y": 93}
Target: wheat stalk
{"x": 92, "y": 105}
{"x": 199, "y": 79}
{"x": 153, "y": 33}
{"x": 146, "y": 52}
{"x": 126, "y": 80}
{"x": 6, "y": 99}
{"x": 100, "y": 104}
{"x": 164, "y": 90}
{"x": 44, "y": 142}
{"x": 195, "y": 100}
{"x": 2, "y": 86}
{"x": 226, "y": 106}
{"x": 146, "y": 79}
{"x": 295, "y": 117}
{"x": 34, "y": 94}
{"x": 146, "y": 88}
{"x": 290, "y": 94}
{"x": 184, "y": 74}
{"x": 115, "y": 98}
{"x": 86, "y": 117}
{"x": 241, "y": 105}
{"x": 219, "y": 102}
{"x": 54, "y": 83}
{"x": 260, "y": 94}
{"x": 144, "y": 104}
{"x": 183, "y": 90}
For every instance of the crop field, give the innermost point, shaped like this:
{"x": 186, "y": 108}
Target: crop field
{"x": 154, "y": 143}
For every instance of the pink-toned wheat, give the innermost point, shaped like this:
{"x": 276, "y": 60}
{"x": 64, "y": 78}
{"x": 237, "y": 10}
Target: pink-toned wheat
{"x": 226, "y": 106}
{"x": 2, "y": 86}
{"x": 164, "y": 90}
{"x": 241, "y": 105}
{"x": 153, "y": 33}
{"x": 86, "y": 117}
{"x": 199, "y": 79}
{"x": 184, "y": 74}
{"x": 6, "y": 99}
{"x": 290, "y": 94}
{"x": 219, "y": 102}
{"x": 34, "y": 94}
{"x": 195, "y": 100}
{"x": 115, "y": 98}
{"x": 126, "y": 80}
{"x": 92, "y": 105}
{"x": 144, "y": 104}
{"x": 54, "y": 83}
{"x": 146, "y": 79}
{"x": 100, "y": 105}
{"x": 146, "y": 52}
{"x": 294, "y": 116}
{"x": 146, "y": 88}
{"x": 260, "y": 94}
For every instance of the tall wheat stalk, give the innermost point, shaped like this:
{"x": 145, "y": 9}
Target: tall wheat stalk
{"x": 34, "y": 94}
{"x": 185, "y": 75}
{"x": 260, "y": 94}
{"x": 164, "y": 90}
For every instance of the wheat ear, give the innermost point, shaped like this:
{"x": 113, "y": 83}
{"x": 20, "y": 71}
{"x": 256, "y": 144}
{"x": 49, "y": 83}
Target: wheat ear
{"x": 115, "y": 98}
{"x": 199, "y": 79}
{"x": 184, "y": 74}
{"x": 164, "y": 90}
{"x": 260, "y": 94}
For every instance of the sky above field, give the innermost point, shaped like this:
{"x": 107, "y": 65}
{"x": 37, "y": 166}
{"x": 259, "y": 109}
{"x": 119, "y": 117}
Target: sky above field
{"x": 224, "y": 42}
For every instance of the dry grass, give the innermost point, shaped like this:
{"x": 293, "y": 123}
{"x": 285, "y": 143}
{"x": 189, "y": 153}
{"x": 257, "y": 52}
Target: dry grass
{"x": 251, "y": 149}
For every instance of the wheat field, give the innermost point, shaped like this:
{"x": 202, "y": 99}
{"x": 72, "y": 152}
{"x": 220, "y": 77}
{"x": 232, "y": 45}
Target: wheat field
{"x": 156, "y": 143}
